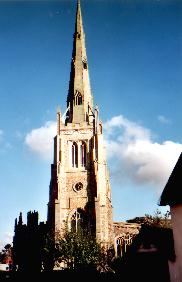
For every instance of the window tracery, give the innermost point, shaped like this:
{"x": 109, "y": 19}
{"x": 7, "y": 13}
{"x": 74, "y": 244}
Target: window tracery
{"x": 78, "y": 98}
{"x": 78, "y": 186}
{"x": 77, "y": 221}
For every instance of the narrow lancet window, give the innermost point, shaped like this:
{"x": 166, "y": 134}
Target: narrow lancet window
{"x": 80, "y": 100}
{"x": 74, "y": 155}
{"x": 83, "y": 153}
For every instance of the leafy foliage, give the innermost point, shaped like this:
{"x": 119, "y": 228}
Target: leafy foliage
{"x": 156, "y": 220}
{"x": 77, "y": 250}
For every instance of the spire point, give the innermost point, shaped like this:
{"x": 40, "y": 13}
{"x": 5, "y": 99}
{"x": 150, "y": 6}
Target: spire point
{"x": 78, "y": 6}
{"x": 79, "y": 93}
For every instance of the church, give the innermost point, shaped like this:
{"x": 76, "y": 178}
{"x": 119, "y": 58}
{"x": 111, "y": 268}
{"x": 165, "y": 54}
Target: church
{"x": 80, "y": 191}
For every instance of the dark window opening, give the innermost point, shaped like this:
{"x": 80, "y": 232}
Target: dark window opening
{"x": 85, "y": 65}
{"x": 78, "y": 98}
{"x": 78, "y": 35}
{"x": 78, "y": 186}
{"x": 74, "y": 155}
{"x": 83, "y": 152}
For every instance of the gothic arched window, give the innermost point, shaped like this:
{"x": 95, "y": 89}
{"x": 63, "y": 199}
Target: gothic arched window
{"x": 83, "y": 152}
{"x": 77, "y": 221}
{"x": 74, "y": 155}
{"x": 78, "y": 98}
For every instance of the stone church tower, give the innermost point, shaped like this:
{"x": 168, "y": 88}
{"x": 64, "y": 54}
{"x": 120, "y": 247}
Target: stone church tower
{"x": 80, "y": 192}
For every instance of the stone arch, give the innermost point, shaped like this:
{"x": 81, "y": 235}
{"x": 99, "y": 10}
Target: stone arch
{"x": 74, "y": 150}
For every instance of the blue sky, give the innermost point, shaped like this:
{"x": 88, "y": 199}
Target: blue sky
{"x": 134, "y": 51}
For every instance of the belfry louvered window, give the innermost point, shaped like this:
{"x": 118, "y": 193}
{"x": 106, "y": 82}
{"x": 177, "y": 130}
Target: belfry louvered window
{"x": 83, "y": 153}
{"x": 74, "y": 155}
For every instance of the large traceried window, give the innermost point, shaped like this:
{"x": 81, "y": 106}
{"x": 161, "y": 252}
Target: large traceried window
{"x": 77, "y": 221}
{"x": 83, "y": 153}
{"x": 74, "y": 155}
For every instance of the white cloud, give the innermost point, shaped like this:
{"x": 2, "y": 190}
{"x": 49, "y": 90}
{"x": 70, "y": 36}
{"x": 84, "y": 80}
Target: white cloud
{"x": 40, "y": 140}
{"x": 139, "y": 158}
{"x": 7, "y": 238}
{"x": 131, "y": 129}
{"x": 164, "y": 120}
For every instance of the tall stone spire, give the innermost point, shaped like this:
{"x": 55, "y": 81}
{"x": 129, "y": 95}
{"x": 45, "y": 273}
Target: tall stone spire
{"x": 79, "y": 99}
{"x": 80, "y": 193}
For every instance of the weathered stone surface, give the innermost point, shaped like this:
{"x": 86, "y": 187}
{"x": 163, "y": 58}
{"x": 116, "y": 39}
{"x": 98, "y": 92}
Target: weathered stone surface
{"x": 79, "y": 179}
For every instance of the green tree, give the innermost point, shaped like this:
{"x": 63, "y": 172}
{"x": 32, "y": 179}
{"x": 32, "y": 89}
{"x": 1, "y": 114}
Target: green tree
{"x": 79, "y": 250}
{"x": 156, "y": 220}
